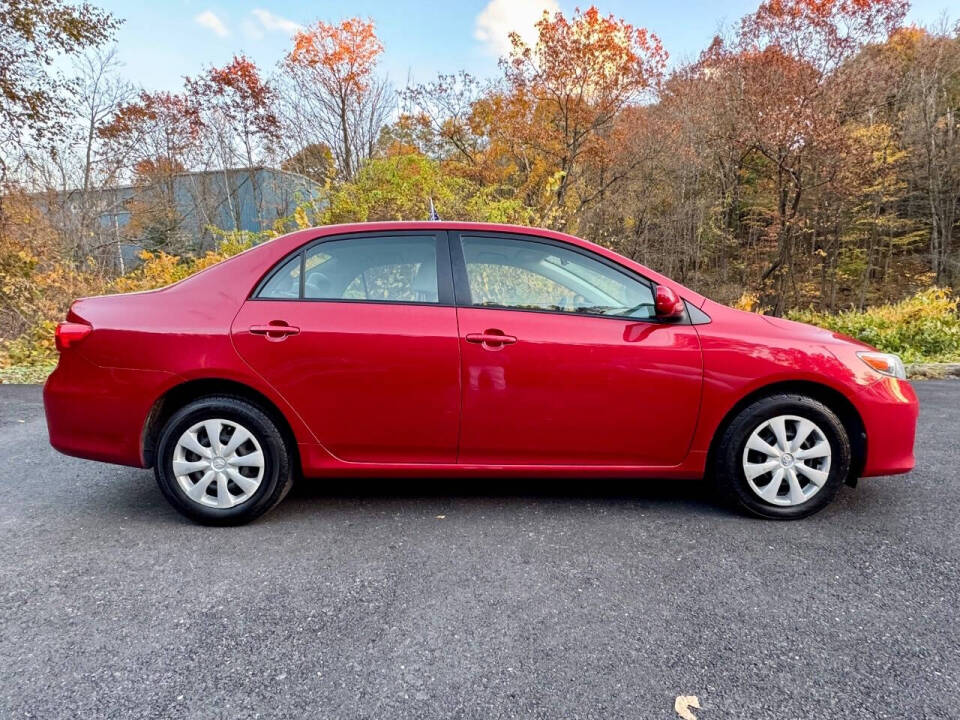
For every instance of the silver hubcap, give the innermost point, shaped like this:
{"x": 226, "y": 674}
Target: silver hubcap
{"x": 218, "y": 463}
{"x": 786, "y": 460}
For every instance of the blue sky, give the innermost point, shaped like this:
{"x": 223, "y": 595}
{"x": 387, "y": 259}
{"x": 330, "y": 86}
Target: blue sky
{"x": 160, "y": 42}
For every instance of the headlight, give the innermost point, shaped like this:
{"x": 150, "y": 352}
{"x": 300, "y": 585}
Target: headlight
{"x": 885, "y": 363}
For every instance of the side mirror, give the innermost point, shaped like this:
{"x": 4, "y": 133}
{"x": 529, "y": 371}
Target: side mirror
{"x": 668, "y": 304}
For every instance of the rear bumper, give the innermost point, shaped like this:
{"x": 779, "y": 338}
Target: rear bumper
{"x": 99, "y": 413}
{"x": 889, "y": 410}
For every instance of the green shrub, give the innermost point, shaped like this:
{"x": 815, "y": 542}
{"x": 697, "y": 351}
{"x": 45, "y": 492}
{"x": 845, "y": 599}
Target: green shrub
{"x": 922, "y": 328}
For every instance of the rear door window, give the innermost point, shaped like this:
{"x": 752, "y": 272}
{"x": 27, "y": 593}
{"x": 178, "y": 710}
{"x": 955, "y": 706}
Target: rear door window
{"x": 375, "y": 269}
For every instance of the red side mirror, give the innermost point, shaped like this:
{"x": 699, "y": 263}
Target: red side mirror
{"x": 668, "y": 304}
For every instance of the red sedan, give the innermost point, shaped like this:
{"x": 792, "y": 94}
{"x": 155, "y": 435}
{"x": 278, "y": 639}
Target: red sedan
{"x": 448, "y": 348}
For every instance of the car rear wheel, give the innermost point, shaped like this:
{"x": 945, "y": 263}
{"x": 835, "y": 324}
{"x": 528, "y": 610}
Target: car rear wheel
{"x": 223, "y": 461}
{"x": 783, "y": 457}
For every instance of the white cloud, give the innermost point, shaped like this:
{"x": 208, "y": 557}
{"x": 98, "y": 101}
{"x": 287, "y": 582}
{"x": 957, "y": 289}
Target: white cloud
{"x": 501, "y": 17}
{"x": 251, "y": 30}
{"x": 275, "y": 22}
{"x": 209, "y": 20}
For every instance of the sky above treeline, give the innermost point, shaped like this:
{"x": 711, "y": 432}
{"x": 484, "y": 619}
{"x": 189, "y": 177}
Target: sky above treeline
{"x": 161, "y": 41}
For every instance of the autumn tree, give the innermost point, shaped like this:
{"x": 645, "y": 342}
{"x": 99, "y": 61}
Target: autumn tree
{"x": 331, "y": 94}
{"x": 160, "y": 135}
{"x": 810, "y": 157}
{"x": 774, "y": 79}
{"x": 929, "y": 108}
{"x": 163, "y": 129}
{"x": 237, "y": 110}
{"x": 400, "y": 187}
{"x": 36, "y": 283}
{"x": 76, "y": 168}
{"x": 74, "y": 158}
{"x": 239, "y": 128}
{"x": 562, "y": 98}
{"x": 411, "y": 134}
{"x": 666, "y": 209}
{"x": 33, "y": 33}
{"x": 445, "y": 107}
{"x": 876, "y": 166}
{"x": 314, "y": 161}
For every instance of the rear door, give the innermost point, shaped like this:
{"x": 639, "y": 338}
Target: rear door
{"x": 563, "y": 361}
{"x": 359, "y": 334}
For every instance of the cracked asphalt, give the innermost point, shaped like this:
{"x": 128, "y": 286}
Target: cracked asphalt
{"x": 475, "y": 599}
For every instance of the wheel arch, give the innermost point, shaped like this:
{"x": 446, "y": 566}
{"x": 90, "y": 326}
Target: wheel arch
{"x": 188, "y": 391}
{"x": 832, "y": 398}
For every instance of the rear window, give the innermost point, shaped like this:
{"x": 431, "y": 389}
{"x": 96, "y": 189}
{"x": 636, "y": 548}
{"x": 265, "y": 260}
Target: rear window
{"x": 376, "y": 269}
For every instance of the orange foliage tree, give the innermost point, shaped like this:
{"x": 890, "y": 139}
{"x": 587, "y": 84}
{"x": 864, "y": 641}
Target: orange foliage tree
{"x": 331, "y": 68}
{"x": 238, "y": 106}
{"x": 562, "y": 98}
{"x": 774, "y": 83}
{"x": 161, "y": 127}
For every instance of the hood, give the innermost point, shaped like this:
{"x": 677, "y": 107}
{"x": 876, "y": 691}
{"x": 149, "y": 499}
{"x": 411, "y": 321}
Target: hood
{"x": 812, "y": 332}
{"x": 783, "y": 328}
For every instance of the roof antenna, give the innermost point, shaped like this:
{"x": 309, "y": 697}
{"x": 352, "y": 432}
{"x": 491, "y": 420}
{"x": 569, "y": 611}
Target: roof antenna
{"x": 433, "y": 212}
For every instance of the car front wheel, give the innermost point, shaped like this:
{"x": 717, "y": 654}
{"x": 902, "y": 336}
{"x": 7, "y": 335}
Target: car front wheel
{"x": 783, "y": 457}
{"x": 222, "y": 461}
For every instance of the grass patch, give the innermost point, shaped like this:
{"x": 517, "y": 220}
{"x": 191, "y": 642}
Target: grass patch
{"x": 25, "y": 374}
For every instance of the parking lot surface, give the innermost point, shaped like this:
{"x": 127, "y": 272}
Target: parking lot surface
{"x": 480, "y": 599}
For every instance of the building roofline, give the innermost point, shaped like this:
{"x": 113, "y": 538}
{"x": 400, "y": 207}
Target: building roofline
{"x": 184, "y": 173}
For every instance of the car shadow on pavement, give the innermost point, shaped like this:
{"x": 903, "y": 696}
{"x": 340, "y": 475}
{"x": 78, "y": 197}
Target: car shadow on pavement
{"x": 316, "y": 496}
{"x": 135, "y": 495}
{"x": 698, "y": 495}
{"x": 667, "y": 498}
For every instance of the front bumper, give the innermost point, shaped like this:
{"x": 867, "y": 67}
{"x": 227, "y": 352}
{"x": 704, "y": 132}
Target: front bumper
{"x": 889, "y": 410}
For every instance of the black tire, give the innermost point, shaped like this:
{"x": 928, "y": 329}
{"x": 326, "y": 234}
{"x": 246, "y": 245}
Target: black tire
{"x": 728, "y": 457}
{"x": 277, "y": 466}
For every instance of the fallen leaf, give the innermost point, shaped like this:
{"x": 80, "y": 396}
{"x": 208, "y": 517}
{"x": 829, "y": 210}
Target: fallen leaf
{"x": 440, "y": 517}
{"x": 683, "y": 705}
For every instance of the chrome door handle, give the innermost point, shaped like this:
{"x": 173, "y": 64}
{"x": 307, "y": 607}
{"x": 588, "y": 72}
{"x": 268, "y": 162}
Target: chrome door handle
{"x": 275, "y": 330}
{"x": 490, "y": 339}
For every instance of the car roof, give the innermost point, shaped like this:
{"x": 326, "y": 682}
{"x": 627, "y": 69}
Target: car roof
{"x": 444, "y": 225}
{"x": 434, "y": 225}
{"x": 268, "y": 253}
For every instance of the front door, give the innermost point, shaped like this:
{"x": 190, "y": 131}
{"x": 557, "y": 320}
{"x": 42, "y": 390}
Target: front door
{"x": 563, "y": 361}
{"x": 359, "y": 335}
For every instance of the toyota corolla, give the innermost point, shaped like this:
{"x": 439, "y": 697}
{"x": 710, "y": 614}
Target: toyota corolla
{"x": 464, "y": 350}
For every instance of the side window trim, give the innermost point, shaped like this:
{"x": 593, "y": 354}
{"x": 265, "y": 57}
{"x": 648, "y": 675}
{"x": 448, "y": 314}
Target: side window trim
{"x": 303, "y": 273}
{"x": 462, "y": 284}
{"x": 445, "y": 283}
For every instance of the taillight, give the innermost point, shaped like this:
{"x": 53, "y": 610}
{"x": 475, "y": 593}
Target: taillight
{"x": 69, "y": 334}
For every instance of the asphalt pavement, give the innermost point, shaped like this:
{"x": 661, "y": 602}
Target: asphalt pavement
{"x": 476, "y": 599}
